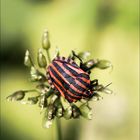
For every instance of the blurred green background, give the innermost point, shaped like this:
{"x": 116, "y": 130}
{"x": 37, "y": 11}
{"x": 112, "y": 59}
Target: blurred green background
{"x": 108, "y": 29}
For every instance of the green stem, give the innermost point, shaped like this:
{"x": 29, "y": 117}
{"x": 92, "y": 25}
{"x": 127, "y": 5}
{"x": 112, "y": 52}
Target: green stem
{"x": 58, "y": 129}
{"x": 48, "y": 55}
{"x": 30, "y": 90}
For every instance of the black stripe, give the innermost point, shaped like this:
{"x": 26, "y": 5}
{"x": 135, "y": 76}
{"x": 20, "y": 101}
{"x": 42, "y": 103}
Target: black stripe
{"x": 70, "y": 79}
{"x": 79, "y": 87}
{"x": 83, "y": 82}
{"x": 63, "y": 82}
{"x": 70, "y": 70}
{"x": 56, "y": 75}
{"x": 83, "y": 75}
{"x": 77, "y": 94}
{"x": 76, "y": 74}
{"x": 65, "y": 93}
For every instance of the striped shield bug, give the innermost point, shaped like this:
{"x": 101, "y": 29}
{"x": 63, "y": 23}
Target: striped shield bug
{"x": 71, "y": 81}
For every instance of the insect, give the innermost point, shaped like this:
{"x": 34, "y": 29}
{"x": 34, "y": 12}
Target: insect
{"x": 73, "y": 83}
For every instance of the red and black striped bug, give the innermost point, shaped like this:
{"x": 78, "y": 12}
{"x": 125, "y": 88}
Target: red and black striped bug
{"x": 65, "y": 76}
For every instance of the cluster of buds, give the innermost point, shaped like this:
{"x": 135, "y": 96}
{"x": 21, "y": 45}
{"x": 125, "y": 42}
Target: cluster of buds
{"x": 50, "y": 101}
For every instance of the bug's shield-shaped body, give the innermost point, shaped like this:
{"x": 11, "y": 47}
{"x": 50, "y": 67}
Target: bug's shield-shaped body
{"x": 65, "y": 76}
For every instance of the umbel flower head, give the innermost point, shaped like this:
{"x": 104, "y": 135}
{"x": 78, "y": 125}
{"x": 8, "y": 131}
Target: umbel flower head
{"x": 64, "y": 88}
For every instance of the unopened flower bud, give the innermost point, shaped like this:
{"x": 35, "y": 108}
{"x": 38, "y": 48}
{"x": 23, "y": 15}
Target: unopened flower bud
{"x": 75, "y": 111}
{"x": 43, "y": 101}
{"x": 68, "y": 113}
{"x": 84, "y": 55}
{"x": 86, "y": 111}
{"x": 56, "y": 52}
{"x": 59, "y": 112}
{"x": 96, "y": 97}
{"x": 103, "y": 64}
{"x": 27, "y": 59}
{"x": 16, "y": 96}
{"x": 53, "y": 99}
{"x": 45, "y": 40}
{"x": 36, "y": 75}
{"x": 106, "y": 90}
{"x": 41, "y": 59}
{"x": 46, "y": 122}
{"x": 32, "y": 100}
{"x": 51, "y": 111}
{"x": 90, "y": 64}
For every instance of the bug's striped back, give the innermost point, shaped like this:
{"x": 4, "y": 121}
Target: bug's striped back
{"x": 68, "y": 78}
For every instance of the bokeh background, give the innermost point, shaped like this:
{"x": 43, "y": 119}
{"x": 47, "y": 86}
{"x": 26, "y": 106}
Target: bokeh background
{"x": 108, "y": 29}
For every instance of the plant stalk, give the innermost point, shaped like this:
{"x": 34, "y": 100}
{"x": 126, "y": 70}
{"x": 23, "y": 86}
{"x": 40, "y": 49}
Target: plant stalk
{"x": 48, "y": 55}
{"x": 58, "y": 129}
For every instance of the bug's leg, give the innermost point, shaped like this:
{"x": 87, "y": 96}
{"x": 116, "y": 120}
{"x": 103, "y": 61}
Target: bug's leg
{"x": 94, "y": 86}
{"x": 94, "y": 82}
{"x": 73, "y": 56}
{"x": 101, "y": 88}
{"x": 96, "y": 96}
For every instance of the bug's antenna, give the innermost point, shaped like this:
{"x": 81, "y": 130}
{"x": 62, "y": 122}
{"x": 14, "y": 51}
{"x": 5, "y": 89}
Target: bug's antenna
{"x": 75, "y": 55}
{"x": 108, "y": 85}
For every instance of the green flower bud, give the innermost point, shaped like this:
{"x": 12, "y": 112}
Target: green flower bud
{"x": 96, "y": 96}
{"x": 106, "y": 90}
{"x": 89, "y": 64}
{"x": 27, "y": 59}
{"x": 43, "y": 101}
{"x": 75, "y": 112}
{"x": 50, "y": 92}
{"x": 84, "y": 55}
{"x": 56, "y": 52}
{"x": 59, "y": 112}
{"x": 44, "y": 89}
{"x": 41, "y": 59}
{"x": 36, "y": 75}
{"x": 32, "y": 100}
{"x": 51, "y": 111}
{"x": 46, "y": 122}
{"x": 68, "y": 113}
{"x": 16, "y": 96}
{"x": 42, "y": 86}
{"x": 103, "y": 64}
{"x": 98, "y": 88}
{"x": 53, "y": 98}
{"x": 45, "y": 40}
{"x": 86, "y": 111}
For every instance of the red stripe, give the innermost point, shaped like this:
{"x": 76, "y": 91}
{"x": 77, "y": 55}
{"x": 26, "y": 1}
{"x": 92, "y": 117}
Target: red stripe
{"x": 61, "y": 86}
{"x": 71, "y": 86}
{"x": 78, "y": 70}
{"x": 81, "y": 85}
{"x": 85, "y": 80}
{"x": 59, "y": 90}
{"x": 70, "y": 99}
{"x": 59, "y": 74}
{"x": 58, "y": 83}
{"x": 73, "y": 94}
{"x": 69, "y": 73}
